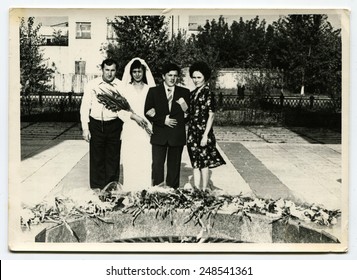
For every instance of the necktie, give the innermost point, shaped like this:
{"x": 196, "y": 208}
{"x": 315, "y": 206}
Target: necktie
{"x": 169, "y": 97}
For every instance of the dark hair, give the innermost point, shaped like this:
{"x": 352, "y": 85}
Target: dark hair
{"x": 137, "y": 65}
{"x": 109, "y": 62}
{"x": 170, "y": 67}
{"x": 202, "y": 67}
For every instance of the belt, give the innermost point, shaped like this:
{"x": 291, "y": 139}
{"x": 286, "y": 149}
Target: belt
{"x": 103, "y": 121}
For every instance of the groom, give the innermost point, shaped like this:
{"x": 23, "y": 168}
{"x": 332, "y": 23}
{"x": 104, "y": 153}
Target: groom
{"x": 165, "y": 107}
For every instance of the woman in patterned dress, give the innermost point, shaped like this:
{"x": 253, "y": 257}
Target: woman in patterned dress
{"x": 201, "y": 142}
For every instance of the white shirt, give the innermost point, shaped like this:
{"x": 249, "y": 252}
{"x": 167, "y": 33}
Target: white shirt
{"x": 90, "y": 106}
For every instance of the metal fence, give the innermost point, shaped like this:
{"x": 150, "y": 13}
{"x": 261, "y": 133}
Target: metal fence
{"x": 232, "y": 102}
{"x": 50, "y": 103}
{"x": 70, "y": 102}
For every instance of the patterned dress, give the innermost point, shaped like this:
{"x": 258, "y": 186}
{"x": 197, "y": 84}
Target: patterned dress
{"x": 199, "y": 108}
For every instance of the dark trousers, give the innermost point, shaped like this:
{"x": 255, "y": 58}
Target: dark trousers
{"x": 104, "y": 152}
{"x": 173, "y": 154}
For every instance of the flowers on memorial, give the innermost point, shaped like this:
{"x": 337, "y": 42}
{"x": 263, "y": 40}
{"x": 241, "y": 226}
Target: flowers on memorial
{"x": 199, "y": 207}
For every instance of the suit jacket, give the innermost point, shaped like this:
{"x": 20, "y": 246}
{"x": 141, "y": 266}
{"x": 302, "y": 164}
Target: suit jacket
{"x": 162, "y": 134}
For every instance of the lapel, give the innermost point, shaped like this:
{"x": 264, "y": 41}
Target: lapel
{"x": 163, "y": 98}
{"x": 174, "y": 98}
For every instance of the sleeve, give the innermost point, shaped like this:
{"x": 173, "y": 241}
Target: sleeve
{"x": 186, "y": 96}
{"x": 124, "y": 115}
{"x": 86, "y": 105}
{"x": 149, "y": 104}
{"x": 123, "y": 90}
{"x": 189, "y": 112}
{"x": 211, "y": 102}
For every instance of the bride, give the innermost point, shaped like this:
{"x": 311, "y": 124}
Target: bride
{"x": 136, "y": 147}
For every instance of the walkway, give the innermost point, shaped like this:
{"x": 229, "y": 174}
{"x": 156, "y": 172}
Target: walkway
{"x": 300, "y": 164}
{"x": 303, "y": 165}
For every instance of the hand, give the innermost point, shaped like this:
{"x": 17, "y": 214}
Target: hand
{"x": 170, "y": 122}
{"x": 86, "y": 135}
{"x": 151, "y": 112}
{"x": 183, "y": 104}
{"x": 204, "y": 140}
{"x": 139, "y": 120}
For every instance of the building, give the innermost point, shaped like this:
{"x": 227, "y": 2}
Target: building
{"x": 86, "y": 36}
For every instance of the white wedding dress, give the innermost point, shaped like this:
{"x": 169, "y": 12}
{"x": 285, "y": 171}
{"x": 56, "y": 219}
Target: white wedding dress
{"x": 136, "y": 148}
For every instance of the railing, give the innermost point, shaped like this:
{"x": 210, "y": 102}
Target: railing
{"x": 70, "y": 102}
{"x": 233, "y": 102}
{"x": 50, "y": 103}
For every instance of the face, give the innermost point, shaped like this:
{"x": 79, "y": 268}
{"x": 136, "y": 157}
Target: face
{"x": 108, "y": 73}
{"x": 198, "y": 79}
{"x": 137, "y": 74}
{"x": 170, "y": 78}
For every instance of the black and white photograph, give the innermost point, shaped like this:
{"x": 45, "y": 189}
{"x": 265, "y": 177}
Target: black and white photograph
{"x": 178, "y": 130}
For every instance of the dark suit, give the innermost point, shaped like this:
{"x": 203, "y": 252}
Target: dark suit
{"x": 166, "y": 140}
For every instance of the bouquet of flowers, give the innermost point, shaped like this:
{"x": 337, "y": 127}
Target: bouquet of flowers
{"x": 114, "y": 101}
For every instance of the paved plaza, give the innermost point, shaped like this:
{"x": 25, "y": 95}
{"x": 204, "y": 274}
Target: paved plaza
{"x": 300, "y": 164}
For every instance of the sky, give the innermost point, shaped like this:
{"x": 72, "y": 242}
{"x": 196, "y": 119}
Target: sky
{"x": 201, "y": 20}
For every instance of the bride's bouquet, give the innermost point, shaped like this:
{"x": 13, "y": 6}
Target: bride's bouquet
{"x": 114, "y": 101}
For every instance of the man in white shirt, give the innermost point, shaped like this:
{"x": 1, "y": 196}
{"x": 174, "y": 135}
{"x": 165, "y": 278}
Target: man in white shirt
{"x": 102, "y": 127}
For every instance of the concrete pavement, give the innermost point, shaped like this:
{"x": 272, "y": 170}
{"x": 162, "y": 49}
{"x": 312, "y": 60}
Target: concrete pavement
{"x": 300, "y": 164}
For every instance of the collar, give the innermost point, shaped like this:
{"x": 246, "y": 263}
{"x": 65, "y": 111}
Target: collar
{"x": 115, "y": 82}
{"x": 167, "y": 87}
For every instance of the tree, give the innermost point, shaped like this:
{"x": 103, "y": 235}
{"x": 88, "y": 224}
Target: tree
{"x": 147, "y": 37}
{"x": 213, "y": 41}
{"x": 140, "y": 36}
{"x": 34, "y": 73}
{"x": 248, "y": 43}
{"x": 309, "y": 51}
{"x": 242, "y": 44}
{"x": 182, "y": 50}
{"x": 327, "y": 71}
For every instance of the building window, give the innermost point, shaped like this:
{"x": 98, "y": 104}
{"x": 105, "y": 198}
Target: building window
{"x": 192, "y": 26}
{"x": 83, "y": 30}
{"x": 58, "y": 37}
{"x": 80, "y": 67}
